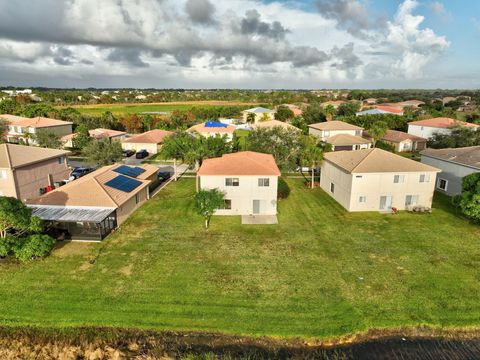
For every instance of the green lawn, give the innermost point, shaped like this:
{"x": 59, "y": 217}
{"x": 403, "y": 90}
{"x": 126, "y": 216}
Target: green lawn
{"x": 321, "y": 272}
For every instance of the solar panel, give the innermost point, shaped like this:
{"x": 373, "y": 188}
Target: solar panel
{"x": 123, "y": 183}
{"x": 129, "y": 171}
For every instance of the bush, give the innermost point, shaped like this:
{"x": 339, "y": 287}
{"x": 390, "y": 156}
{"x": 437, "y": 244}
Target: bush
{"x": 7, "y": 245}
{"x": 283, "y": 189}
{"x": 33, "y": 247}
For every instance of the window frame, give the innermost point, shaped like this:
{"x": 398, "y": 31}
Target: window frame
{"x": 233, "y": 181}
{"x": 362, "y": 197}
{"x": 400, "y": 177}
{"x": 426, "y": 178}
{"x": 3, "y": 174}
{"x": 416, "y": 197}
{"x": 263, "y": 181}
{"x": 440, "y": 181}
{"x": 225, "y": 206}
{"x": 332, "y": 188}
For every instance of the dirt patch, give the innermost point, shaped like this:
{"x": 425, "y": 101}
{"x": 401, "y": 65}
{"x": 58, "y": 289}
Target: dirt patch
{"x": 71, "y": 248}
{"x": 126, "y": 270}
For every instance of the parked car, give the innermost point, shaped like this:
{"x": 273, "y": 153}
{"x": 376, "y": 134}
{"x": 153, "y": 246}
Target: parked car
{"x": 128, "y": 153}
{"x": 141, "y": 154}
{"x": 78, "y": 172}
{"x": 305, "y": 169}
{"x": 164, "y": 176}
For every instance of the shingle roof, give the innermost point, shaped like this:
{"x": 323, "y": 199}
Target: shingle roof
{"x": 104, "y": 133}
{"x": 389, "y": 109}
{"x": 150, "y": 137}
{"x": 240, "y": 163}
{"x": 334, "y": 125}
{"x": 346, "y": 139}
{"x": 274, "y": 123}
{"x": 398, "y": 136}
{"x": 14, "y": 156}
{"x": 202, "y": 129}
{"x": 36, "y": 122}
{"x": 442, "y": 122}
{"x": 469, "y": 156}
{"x": 259, "y": 109}
{"x": 374, "y": 161}
{"x": 90, "y": 190}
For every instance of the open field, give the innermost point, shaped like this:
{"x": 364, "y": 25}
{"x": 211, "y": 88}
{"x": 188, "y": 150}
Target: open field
{"x": 321, "y": 273}
{"x": 136, "y": 108}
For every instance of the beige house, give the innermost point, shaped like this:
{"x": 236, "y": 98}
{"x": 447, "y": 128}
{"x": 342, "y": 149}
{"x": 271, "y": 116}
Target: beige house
{"x": 260, "y": 113}
{"x": 151, "y": 141}
{"x": 402, "y": 141}
{"x": 326, "y": 129}
{"x": 98, "y": 134}
{"x": 90, "y": 207}
{"x": 377, "y": 180}
{"x": 342, "y": 142}
{"x": 25, "y": 129}
{"x": 274, "y": 123}
{"x": 213, "y": 128}
{"x": 27, "y": 170}
{"x": 248, "y": 179}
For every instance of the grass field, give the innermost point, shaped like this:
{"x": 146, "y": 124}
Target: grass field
{"x": 321, "y": 272}
{"x": 122, "y": 109}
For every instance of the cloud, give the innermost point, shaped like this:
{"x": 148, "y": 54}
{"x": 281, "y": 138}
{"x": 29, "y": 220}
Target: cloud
{"x": 437, "y": 7}
{"x": 200, "y": 11}
{"x": 127, "y": 56}
{"x": 251, "y": 24}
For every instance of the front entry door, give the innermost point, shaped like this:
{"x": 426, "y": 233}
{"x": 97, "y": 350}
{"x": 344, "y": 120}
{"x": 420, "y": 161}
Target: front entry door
{"x": 385, "y": 202}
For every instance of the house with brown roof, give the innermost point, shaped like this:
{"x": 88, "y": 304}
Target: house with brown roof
{"x": 98, "y": 134}
{"x": 327, "y": 129}
{"x": 213, "y": 128}
{"x": 274, "y": 123}
{"x": 151, "y": 141}
{"x": 455, "y": 165}
{"x": 90, "y": 207}
{"x": 377, "y": 180}
{"x": 402, "y": 141}
{"x": 25, "y": 171}
{"x": 24, "y": 129}
{"x": 342, "y": 142}
{"x": 248, "y": 179}
{"x": 440, "y": 125}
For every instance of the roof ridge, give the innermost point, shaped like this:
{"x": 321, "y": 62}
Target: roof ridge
{"x": 370, "y": 151}
{"x": 8, "y": 155}
{"x": 105, "y": 191}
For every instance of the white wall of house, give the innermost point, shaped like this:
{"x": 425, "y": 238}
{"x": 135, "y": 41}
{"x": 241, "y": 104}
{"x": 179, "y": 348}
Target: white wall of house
{"x": 351, "y": 147}
{"x": 242, "y": 196}
{"x": 258, "y": 116}
{"x": 363, "y": 192}
{"x": 452, "y": 175}
{"x": 16, "y": 132}
{"x": 426, "y": 132}
{"x": 325, "y": 134}
{"x": 150, "y": 147}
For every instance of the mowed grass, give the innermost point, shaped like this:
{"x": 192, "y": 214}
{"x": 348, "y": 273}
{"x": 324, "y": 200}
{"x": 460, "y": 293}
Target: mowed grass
{"x": 320, "y": 273}
{"x": 137, "y": 108}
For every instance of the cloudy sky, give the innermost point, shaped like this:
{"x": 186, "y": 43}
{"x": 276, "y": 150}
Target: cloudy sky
{"x": 240, "y": 43}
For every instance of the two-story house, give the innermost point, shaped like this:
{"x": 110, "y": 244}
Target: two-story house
{"x": 248, "y": 179}
{"x": 377, "y": 180}
{"x": 339, "y": 134}
{"x": 24, "y": 129}
{"x": 441, "y": 125}
{"x": 25, "y": 171}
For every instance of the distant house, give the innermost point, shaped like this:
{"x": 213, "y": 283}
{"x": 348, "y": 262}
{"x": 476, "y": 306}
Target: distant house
{"x": 377, "y": 180}
{"x": 411, "y": 103}
{"x": 19, "y": 127}
{"x": 348, "y": 142}
{"x": 248, "y": 179}
{"x": 274, "y": 123}
{"x": 151, "y": 141}
{"x": 25, "y": 171}
{"x": 99, "y": 133}
{"x": 381, "y": 110}
{"x": 297, "y": 111}
{"x": 260, "y": 113}
{"x": 334, "y": 103}
{"x": 370, "y": 101}
{"x": 213, "y": 128}
{"x": 441, "y": 125}
{"x": 455, "y": 165}
{"x": 326, "y": 129}
{"x": 402, "y": 141}
{"x": 90, "y": 207}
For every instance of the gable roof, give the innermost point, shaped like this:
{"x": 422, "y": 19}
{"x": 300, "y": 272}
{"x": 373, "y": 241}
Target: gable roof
{"x": 204, "y": 129}
{"x": 90, "y": 190}
{"x": 334, "y": 125}
{"x": 36, "y": 122}
{"x": 100, "y": 133}
{"x": 346, "y": 139}
{"x": 155, "y": 136}
{"x": 374, "y": 161}
{"x": 274, "y": 123}
{"x": 390, "y": 109}
{"x": 240, "y": 163}
{"x": 442, "y": 122}
{"x": 469, "y": 156}
{"x": 14, "y": 156}
{"x": 259, "y": 109}
{"x": 398, "y": 136}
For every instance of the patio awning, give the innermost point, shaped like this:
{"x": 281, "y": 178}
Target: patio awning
{"x": 71, "y": 213}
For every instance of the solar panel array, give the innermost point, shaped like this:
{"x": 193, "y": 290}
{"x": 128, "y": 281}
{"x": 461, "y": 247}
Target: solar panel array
{"x": 123, "y": 183}
{"x": 129, "y": 170}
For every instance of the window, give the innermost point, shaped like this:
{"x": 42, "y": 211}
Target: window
{"x": 332, "y": 188}
{"x": 61, "y": 159}
{"x": 359, "y": 176}
{"x": 232, "y": 182}
{"x": 357, "y": 147}
{"x": 424, "y": 178}
{"x": 326, "y": 133}
{"x": 227, "y": 204}
{"x": 3, "y": 174}
{"x": 442, "y": 184}
{"x": 362, "y": 199}
{"x": 398, "y": 179}
{"x": 263, "y": 182}
{"x": 358, "y": 132}
{"x": 411, "y": 200}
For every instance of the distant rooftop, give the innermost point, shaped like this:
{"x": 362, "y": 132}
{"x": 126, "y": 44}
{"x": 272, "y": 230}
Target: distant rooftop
{"x": 259, "y": 109}
{"x": 469, "y": 156}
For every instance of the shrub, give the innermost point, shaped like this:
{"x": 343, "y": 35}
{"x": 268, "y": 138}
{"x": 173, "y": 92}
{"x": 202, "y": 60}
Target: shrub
{"x": 7, "y": 245}
{"x": 34, "y": 246}
{"x": 283, "y": 189}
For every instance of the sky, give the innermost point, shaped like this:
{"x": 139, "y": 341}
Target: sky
{"x": 249, "y": 44}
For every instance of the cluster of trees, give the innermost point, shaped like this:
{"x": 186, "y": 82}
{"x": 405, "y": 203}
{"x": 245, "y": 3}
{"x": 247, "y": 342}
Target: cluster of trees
{"x": 20, "y": 232}
{"x": 469, "y": 200}
{"x": 459, "y": 137}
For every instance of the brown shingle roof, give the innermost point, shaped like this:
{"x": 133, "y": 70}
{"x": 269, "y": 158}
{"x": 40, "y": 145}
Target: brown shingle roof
{"x": 442, "y": 122}
{"x": 202, "y": 129}
{"x": 240, "y": 163}
{"x": 150, "y": 137}
{"x": 14, "y": 156}
{"x": 398, "y": 136}
{"x": 469, "y": 156}
{"x": 334, "y": 125}
{"x": 36, "y": 122}
{"x": 374, "y": 161}
{"x": 104, "y": 133}
{"x": 274, "y": 123}
{"x": 346, "y": 139}
{"x": 90, "y": 190}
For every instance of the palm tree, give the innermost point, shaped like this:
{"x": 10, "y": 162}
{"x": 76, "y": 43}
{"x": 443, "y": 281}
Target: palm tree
{"x": 250, "y": 118}
{"x": 378, "y": 131}
{"x": 329, "y": 111}
{"x": 312, "y": 156}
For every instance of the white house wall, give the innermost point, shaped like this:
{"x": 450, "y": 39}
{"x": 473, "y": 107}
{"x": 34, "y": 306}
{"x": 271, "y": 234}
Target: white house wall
{"x": 426, "y": 132}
